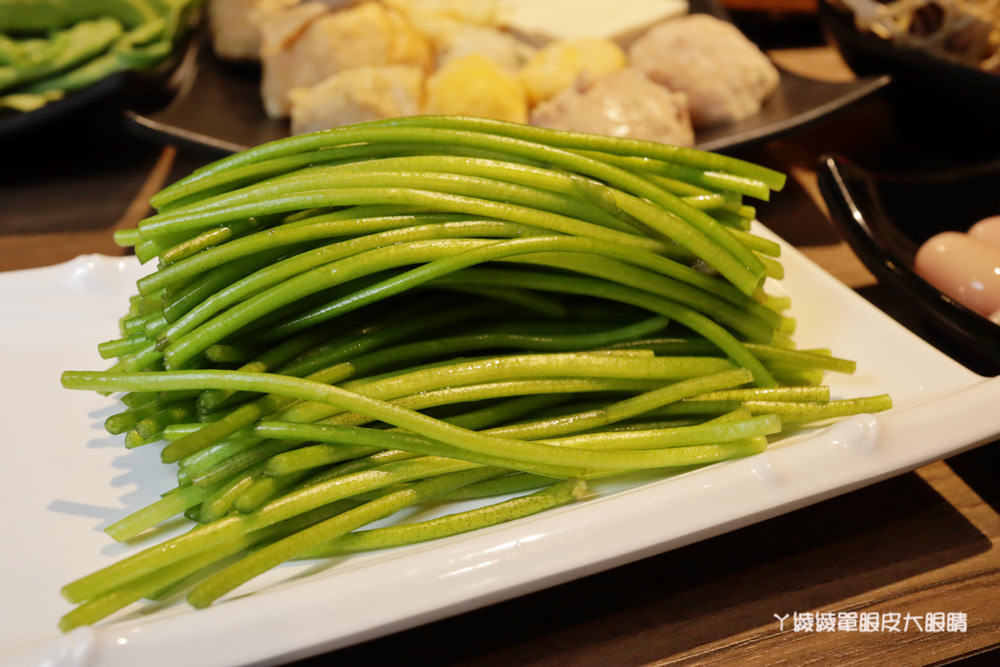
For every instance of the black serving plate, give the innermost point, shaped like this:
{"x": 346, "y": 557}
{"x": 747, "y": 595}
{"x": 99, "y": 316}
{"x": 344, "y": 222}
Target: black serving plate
{"x": 885, "y": 218}
{"x": 219, "y": 109}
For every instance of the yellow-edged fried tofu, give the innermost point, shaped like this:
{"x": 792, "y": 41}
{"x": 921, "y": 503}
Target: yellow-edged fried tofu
{"x": 368, "y": 34}
{"x": 356, "y": 95}
{"x": 557, "y": 66}
{"x": 476, "y": 86}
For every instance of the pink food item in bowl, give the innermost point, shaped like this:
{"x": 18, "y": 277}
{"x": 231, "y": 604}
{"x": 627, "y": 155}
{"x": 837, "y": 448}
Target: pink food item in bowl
{"x": 966, "y": 266}
{"x": 987, "y": 230}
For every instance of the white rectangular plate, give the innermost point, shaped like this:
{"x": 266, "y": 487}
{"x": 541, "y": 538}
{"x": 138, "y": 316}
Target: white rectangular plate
{"x": 64, "y": 479}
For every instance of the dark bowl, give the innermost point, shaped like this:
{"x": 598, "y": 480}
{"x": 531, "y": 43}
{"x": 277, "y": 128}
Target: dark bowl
{"x": 885, "y": 218}
{"x": 917, "y": 74}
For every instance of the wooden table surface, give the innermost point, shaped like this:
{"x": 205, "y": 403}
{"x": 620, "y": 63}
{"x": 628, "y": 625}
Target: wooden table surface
{"x": 926, "y": 542}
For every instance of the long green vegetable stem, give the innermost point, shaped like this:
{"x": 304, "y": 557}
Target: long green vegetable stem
{"x": 397, "y": 315}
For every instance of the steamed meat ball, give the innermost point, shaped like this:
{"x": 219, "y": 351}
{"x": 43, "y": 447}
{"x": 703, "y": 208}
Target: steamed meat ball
{"x": 725, "y": 76}
{"x": 356, "y": 95}
{"x": 621, "y": 104}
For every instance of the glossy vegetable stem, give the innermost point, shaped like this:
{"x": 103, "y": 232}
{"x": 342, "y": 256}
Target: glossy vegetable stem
{"x": 396, "y": 315}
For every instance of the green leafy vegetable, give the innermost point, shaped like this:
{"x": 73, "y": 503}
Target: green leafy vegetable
{"x": 49, "y": 48}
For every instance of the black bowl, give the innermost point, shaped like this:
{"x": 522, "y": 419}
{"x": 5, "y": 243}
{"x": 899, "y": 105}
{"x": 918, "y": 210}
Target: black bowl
{"x": 920, "y": 75}
{"x": 885, "y": 218}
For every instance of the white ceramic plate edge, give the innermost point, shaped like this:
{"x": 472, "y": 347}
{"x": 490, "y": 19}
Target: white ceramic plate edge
{"x": 946, "y": 413}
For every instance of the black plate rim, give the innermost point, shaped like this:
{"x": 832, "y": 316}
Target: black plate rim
{"x": 18, "y": 121}
{"x": 152, "y": 127}
{"x": 854, "y": 92}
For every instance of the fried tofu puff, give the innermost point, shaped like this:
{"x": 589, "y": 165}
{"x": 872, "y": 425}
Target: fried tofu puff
{"x": 725, "y": 76}
{"x": 329, "y": 42}
{"x": 558, "y": 65}
{"x": 234, "y": 25}
{"x": 439, "y": 20}
{"x": 474, "y": 85}
{"x": 356, "y": 95}
{"x": 503, "y": 48}
{"x": 234, "y": 33}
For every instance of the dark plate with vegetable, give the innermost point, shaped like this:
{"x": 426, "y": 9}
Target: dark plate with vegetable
{"x": 58, "y": 59}
{"x": 219, "y": 110}
{"x": 886, "y": 217}
{"x": 148, "y": 89}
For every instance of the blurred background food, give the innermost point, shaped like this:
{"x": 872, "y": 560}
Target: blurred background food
{"x": 639, "y": 68}
{"x": 306, "y": 44}
{"x": 723, "y": 74}
{"x": 51, "y": 48}
{"x": 625, "y": 102}
{"x": 962, "y": 31}
{"x": 943, "y": 57}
